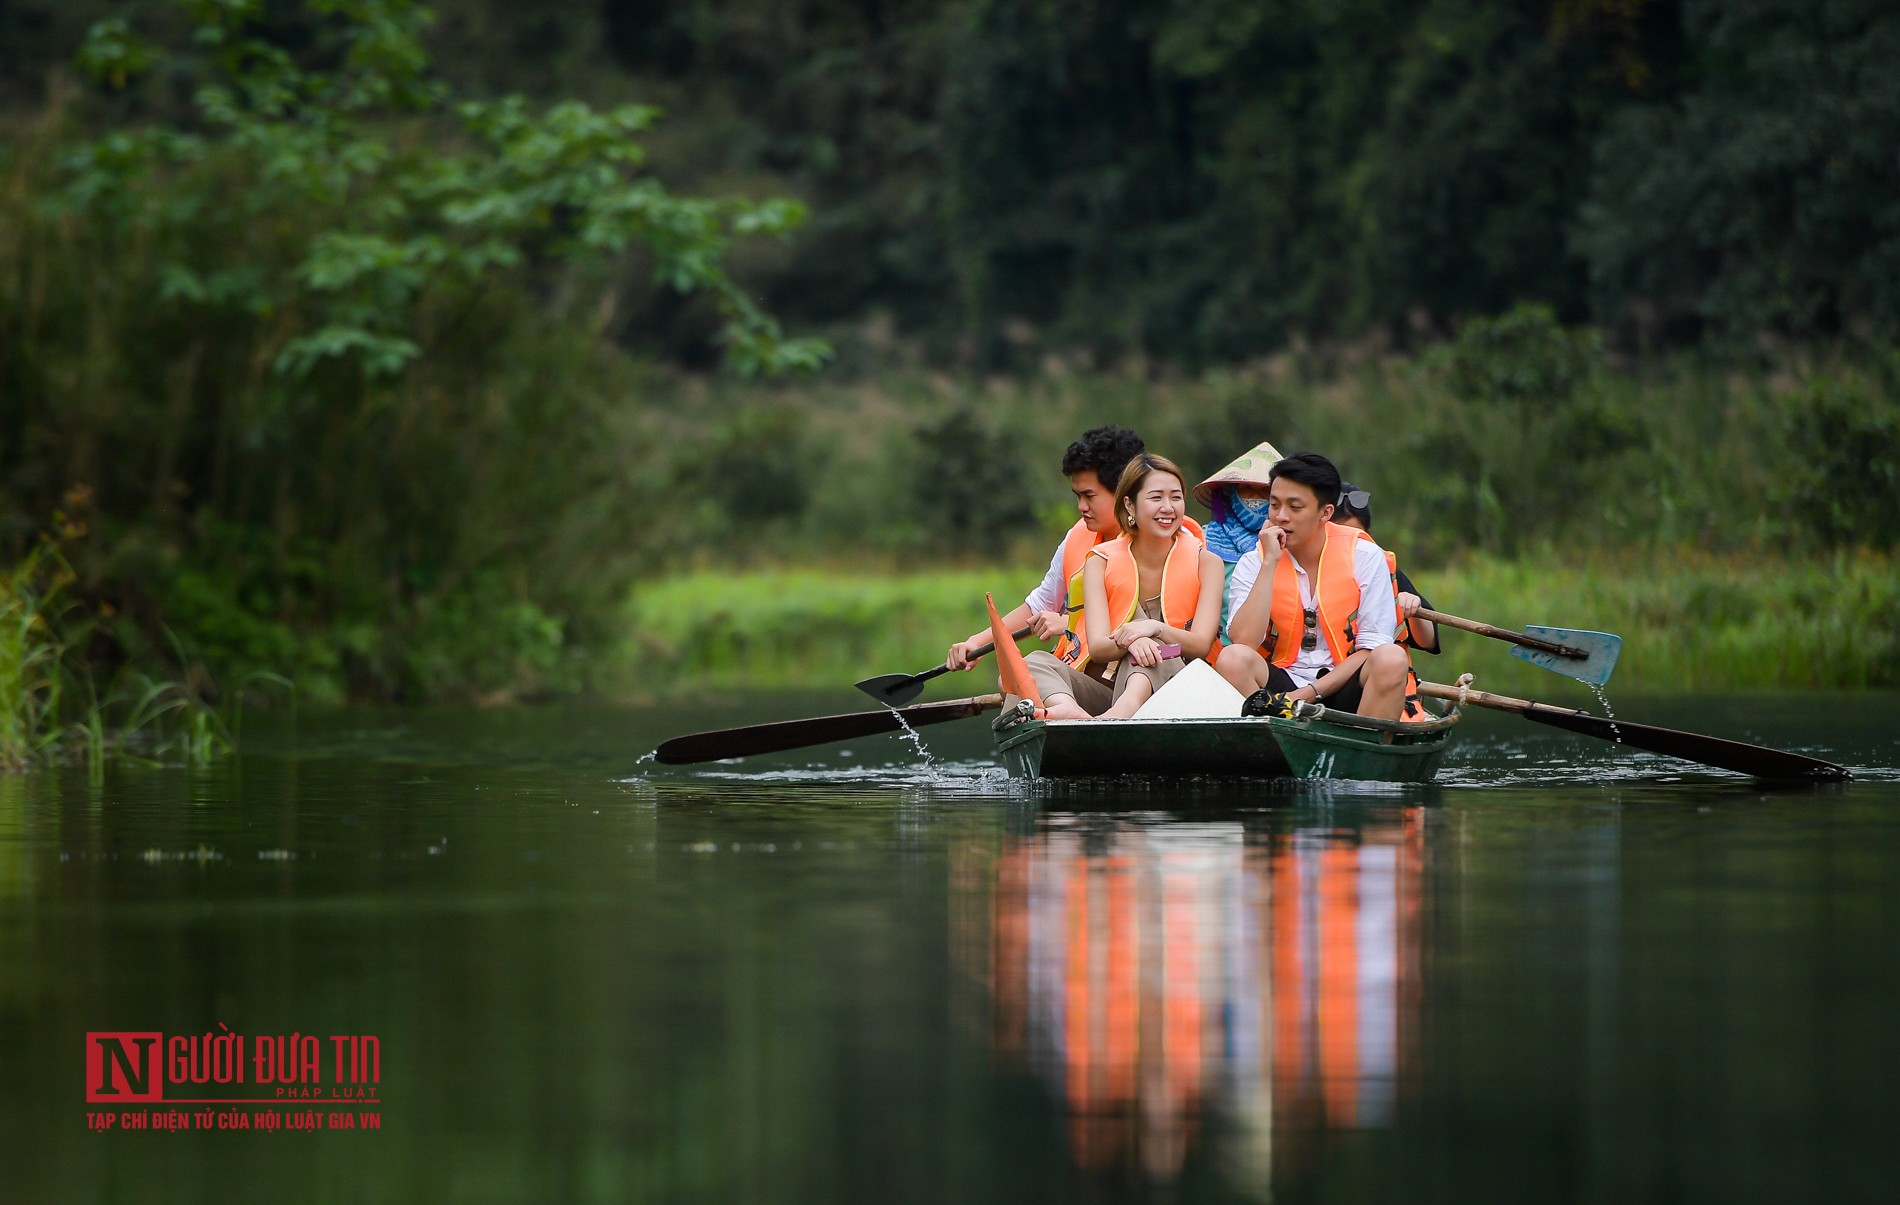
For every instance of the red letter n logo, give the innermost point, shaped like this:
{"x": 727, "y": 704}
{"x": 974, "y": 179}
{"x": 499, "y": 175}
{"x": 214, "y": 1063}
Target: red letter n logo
{"x": 124, "y": 1068}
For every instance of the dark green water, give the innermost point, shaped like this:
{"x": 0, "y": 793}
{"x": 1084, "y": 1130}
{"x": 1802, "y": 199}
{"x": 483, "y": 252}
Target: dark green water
{"x": 1561, "y": 975}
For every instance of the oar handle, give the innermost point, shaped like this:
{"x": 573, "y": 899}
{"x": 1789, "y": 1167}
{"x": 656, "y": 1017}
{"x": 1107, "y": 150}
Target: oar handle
{"x": 975, "y": 654}
{"x": 1497, "y": 633}
{"x": 1477, "y": 698}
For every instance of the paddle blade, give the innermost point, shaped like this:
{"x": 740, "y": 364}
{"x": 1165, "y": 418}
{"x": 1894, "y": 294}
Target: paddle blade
{"x": 1017, "y": 679}
{"x": 1739, "y": 756}
{"x": 816, "y": 730}
{"x": 1600, "y": 651}
{"x": 1759, "y": 761}
{"x": 893, "y": 690}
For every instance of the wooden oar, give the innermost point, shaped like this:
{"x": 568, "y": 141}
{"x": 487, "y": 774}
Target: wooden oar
{"x": 1757, "y": 760}
{"x": 1586, "y": 656}
{"x": 816, "y": 730}
{"x": 895, "y": 690}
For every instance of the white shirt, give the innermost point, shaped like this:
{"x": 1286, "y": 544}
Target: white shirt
{"x": 1052, "y": 592}
{"x": 1378, "y": 617}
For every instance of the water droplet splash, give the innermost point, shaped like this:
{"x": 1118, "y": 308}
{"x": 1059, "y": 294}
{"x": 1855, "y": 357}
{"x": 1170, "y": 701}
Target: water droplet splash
{"x": 916, "y": 740}
{"x": 1608, "y": 713}
{"x": 647, "y": 757}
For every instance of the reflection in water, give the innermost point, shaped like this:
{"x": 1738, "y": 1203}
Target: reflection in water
{"x": 1162, "y": 977}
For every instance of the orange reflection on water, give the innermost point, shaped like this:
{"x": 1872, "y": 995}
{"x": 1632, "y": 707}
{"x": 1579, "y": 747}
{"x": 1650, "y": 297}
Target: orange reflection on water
{"x": 1152, "y": 973}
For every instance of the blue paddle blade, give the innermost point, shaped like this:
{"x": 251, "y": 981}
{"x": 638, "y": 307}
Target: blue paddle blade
{"x": 1600, "y": 651}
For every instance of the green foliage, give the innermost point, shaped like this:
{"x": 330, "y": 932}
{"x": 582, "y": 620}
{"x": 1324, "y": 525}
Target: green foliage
{"x": 333, "y": 348}
{"x": 1759, "y": 195}
{"x": 753, "y": 473}
{"x": 1845, "y": 477}
{"x": 1532, "y": 423}
{"x": 963, "y": 486}
{"x": 1523, "y": 359}
{"x": 397, "y": 217}
{"x": 1190, "y": 181}
{"x": 802, "y": 627}
{"x": 52, "y": 710}
{"x": 31, "y": 677}
{"x": 1515, "y": 440}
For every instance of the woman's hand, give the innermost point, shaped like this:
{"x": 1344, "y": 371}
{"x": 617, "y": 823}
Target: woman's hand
{"x": 1409, "y": 604}
{"x": 1137, "y": 629}
{"x": 1145, "y": 650}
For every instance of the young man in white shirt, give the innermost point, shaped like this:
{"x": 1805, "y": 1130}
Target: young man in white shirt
{"x": 1297, "y": 634}
{"x": 1093, "y": 464}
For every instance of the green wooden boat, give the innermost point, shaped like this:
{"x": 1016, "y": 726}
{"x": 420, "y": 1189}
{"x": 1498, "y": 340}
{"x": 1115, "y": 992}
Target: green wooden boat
{"x": 1316, "y": 743}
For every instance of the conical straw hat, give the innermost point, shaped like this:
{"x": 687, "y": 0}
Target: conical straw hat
{"x": 1249, "y": 468}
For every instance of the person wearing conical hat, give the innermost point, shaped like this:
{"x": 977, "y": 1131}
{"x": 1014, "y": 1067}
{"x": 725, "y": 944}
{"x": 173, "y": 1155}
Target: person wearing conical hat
{"x": 1237, "y": 496}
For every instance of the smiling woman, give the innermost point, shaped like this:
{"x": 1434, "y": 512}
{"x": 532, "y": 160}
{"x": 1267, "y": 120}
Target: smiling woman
{"x": 1155, "y": 586}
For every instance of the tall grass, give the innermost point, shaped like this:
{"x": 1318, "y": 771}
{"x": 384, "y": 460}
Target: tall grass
{"x": 1690, "y": 621}
{"x": 52, "y": 710}
{"x": 31, "y": 673}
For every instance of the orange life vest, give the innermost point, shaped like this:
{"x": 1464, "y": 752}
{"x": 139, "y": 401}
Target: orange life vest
{"x": 1414, "y": 710}
{"x": 1180, "y": 586}
{"x": 1073, "y": 646}
{"x": 1336, "y": 590}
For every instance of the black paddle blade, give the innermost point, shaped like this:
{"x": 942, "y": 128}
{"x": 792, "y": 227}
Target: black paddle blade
{"x": 893, "y": 690}
{"x": 818, "y": 730}
{"x": 1756, "y": 760}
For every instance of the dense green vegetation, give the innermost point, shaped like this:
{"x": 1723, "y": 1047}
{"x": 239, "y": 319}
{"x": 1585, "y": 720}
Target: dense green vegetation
{"x": 1199, "y": 180}
{"x": 1516, "y": 436}
{"x": 387, "y": 357}
{"x": 1688, "y": 623}
{"x": 324, "y": 351}
{"x": 54, "y": 708}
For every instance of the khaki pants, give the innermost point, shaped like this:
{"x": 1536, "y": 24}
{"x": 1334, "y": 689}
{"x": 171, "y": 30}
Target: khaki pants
{"x": 1055, "y": 676}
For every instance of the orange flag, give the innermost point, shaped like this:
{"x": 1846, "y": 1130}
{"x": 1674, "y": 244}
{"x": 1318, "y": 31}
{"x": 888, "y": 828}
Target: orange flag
{"x": 1009, "y": 660}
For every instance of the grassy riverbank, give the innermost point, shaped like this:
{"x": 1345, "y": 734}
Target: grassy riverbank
{"x": 1689, "y": 621}
{"x": 52, "y": 708}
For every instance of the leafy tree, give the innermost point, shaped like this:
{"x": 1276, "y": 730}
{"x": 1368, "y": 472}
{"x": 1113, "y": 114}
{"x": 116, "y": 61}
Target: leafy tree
{"x": 1765, "y": 195}
{"x": 562, "y": 183}
{"x": 329, "y": 346}
{"x": 1844, "y": 477}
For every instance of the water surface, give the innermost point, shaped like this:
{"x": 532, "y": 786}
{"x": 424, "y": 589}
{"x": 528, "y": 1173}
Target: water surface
{"x": 1567, "y": 972}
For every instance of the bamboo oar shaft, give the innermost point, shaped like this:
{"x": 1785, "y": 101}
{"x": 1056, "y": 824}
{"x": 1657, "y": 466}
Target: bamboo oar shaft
{"x": 1497, "y": 633}
{"x": 1483, "y": 698}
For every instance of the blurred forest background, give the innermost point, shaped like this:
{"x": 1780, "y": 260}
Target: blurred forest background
{"x": 427, "y": 359}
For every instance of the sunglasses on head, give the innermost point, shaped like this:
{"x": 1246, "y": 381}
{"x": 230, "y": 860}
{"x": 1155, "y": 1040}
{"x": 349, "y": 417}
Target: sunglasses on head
{"x": 1355, "y": 499}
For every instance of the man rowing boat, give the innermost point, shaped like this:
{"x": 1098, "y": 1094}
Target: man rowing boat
{"x": 1093, "y": 464}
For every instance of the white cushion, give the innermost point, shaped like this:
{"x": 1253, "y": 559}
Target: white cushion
{"x": 1198, "y": 692}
